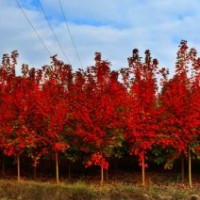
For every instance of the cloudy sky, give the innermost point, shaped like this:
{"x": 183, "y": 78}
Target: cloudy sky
{"x": 113, "y": 27}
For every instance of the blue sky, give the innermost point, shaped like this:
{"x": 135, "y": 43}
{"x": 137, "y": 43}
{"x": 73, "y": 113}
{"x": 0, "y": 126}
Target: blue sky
{"x": 113, "y": 27}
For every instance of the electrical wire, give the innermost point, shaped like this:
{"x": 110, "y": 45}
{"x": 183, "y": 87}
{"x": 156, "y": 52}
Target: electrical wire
{"x": 58, "y": 42}
{"x": 39, "y": 37}
{"x": 70, "y": 34}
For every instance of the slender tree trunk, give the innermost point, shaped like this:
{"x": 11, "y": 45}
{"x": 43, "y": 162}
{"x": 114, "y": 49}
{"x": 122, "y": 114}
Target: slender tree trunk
{"x": 35, "y": 171}
{"x": 3, "y": 165}
{"x": 82, "y": 168}
{"x": 116, "y": 166}
{"x": 106, "y": 174}
{"x": 18, "y": 168}
{"x": 69, "y": 170}
{"x": 143, "y": 171}
{"x": 102, "y": 175}
{"x": 57, "y": 168}
{"x": 182, "y": 168}
{"x": 189, "y": 167}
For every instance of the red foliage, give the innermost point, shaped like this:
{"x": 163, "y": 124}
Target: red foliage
{"x": 52, "y": 109}
{"x": 60, "y": 147}
{"x": 142, "y": 126}
{"x": 98, "y": 160}
{"x": 97, "y": 98}
{"x": 179, "y": 101}
{"x": 197, "y": 149}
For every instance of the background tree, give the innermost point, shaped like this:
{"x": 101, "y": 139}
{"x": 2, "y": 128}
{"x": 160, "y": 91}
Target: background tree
{"x": 180, "y": 119}
{"x": 142, "y": 118}
{"x": 98, "y": 120}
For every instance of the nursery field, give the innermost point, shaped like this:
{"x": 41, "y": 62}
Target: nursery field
{"x": 98, "y": 133}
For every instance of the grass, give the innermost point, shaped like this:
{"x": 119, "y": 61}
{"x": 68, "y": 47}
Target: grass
{"x": 41, "y": 191}
{"x": 158, "y": 187}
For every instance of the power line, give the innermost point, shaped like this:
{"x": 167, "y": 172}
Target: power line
{"x": 70, "y": 34}
{"x": 22, "y": 10}
{"x": 58, "y": 42}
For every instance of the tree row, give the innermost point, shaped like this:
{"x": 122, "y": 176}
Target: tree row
{"x": 102, "y": 112}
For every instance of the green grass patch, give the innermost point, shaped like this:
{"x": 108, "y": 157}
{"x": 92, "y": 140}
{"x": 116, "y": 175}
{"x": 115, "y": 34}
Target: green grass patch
{"x": 46, "y": 191}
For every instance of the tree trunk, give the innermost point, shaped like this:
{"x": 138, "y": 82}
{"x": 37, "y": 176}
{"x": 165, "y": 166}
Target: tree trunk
{"x": 82, "y": 167}
{"x": 57, "y": 168}
{"x": 143, "y": 171}
{"x": 102, "y": 175}
{"x": 182, "y": 168}
{"x": 35, "y": 171}
{"x": 106, "y": 174}
{"x": 116, "y": 166}
{"x": 3, "y": 165}
{"x": 189, "y": 167}
{"x": 69, "y": 170}
{"x": 18, "y": 168}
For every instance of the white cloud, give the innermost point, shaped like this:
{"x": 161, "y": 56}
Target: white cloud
{"x": 113, "y": 27}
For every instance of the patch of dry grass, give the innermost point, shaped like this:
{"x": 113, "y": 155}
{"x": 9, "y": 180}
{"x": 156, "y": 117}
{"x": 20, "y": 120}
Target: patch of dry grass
{"x": 159, "y": 186}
